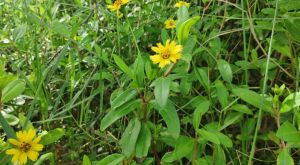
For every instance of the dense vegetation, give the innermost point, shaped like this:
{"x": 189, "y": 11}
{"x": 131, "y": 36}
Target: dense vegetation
{"x": 149, "y": 82}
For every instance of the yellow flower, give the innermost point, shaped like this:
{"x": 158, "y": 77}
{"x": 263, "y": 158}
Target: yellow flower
{"x": 170, "y": 24}
{"x": 117, "y": 5}
{"x": 166, "y": 54}
{"x": 26, "y": 145}
{"x": 182, "y": 3}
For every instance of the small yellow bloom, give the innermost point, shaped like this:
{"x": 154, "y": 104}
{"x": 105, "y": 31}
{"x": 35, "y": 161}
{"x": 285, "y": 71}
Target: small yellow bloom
{"x": 170, "y": 24}
{"x": 166, "y": 54}
{"x": 182, "y": 3}
{"x": 117, "y": 5}
{"x": 26, "y": 145}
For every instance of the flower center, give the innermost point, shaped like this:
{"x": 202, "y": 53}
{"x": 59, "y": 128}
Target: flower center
{"x": 165, "y": 55}
{"x": 118, "y": 2}
{"x": 25, "y": 146}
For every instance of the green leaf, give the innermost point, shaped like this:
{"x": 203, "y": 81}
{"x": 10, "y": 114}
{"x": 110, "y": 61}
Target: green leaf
{"x": 203, "y": 134}
{"x": 6, "y": 127}
{"x": 293, "y": 28}
{"x": 253, "y": 98}
{"x": 161, "y": 91}
{"x": 241, "y": 108}
{"x": 11, "y": 119}
{"x": 284, "y": 158}
{"x": 171, "y": 118}
{"x": 61, "y": 29}
{"x": 201, "y": 109}
{"x": 184, "y": 29}
{"x": 122, "y": 65}
{"x": 139, "y": 70}
{"x": 202, "y": 77}
{"x": 182, "y": 15}
{"x": 290, "y": 102}
{"x": 144, "y": 141}
{"x": 113, "y": 159}
{"x": 225, "y": 70}
{"x": 86, "y": 160}
{"x": 219, "y": 155}
{"x": 230, "y": 119}
{"x": 12, "y": 90}
{"x": 5, "y": 79}
{"x": 123, "y": 98}
{"x": 52, "y": 136}
{"x": 44, "y": 157}
{"x": 129, "y": 137}
{"x": 288, "y": 133}
{"x": 222, "y": 93}
{"x": 183, "y": 147}
{"x": 115, "y": 114}
{"x": 164, "y": 35}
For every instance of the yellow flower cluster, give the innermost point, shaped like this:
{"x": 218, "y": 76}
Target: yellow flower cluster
{"x": 25, "y": 146}
{"x": 182, "y": 3}
{"x": 116, "y": 6}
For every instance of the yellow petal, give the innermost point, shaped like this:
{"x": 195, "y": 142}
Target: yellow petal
{"x": 12, "y": 151}
{"x": 30, "y": 135}
{"x": 14, "y": 142}
{"x": 156, "y": 58}
{"x": 155, "y": 49}
{"x": 20, "y": 135}
{"x": 163, "y": 63}
{"x": 37, "y": 140}
{"x": 32, "y": 155}
{"x": 23, "y": 158}
{"x": 124, "y": 2}
{"x": 36, "y": 147}
{"x": 15, "y": 158}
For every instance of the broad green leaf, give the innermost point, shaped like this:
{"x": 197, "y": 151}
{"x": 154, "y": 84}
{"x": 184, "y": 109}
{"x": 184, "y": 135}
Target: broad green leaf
{"x": 52, "y": 136}
{"x": 12, "y": 90}
{"x": 113, "y": 159}
{"x": 222, "y": 93}
{"x": 171, "y": 118}
{"x": 123, "y": 98}
{"x": 203, "y": 134}
{"x": 161, "y": 91}
{"x": 241, "y": 108}
{"x": 284, "y": 158}
{"x": 164, "y": 35}
{"x": 143, "y": 142}
{"x": 201, "y": 109}
{"x": 219, "y": 155}
{"x": 184, "y": 29}
{"x": 23, "y": 119}
{"x": 11, "y": 119}
{"x": 129, "y": 137}
{"x": 139, "y": 70}
{"x": 290, "y": 102}
{"x": 5, "y": 79}
{"x": 122, "y": 65}
{"x": 61, "y": 29}
{"x": 86, "y": 160}
{"x": 44, "y": 157}
{"x": 182, "y": 15}
{"x": 201, "y": 75}
{"x": 230, "y": 119}
{"x": 115, "y": 114}
{"x": 200, "y": 161}
{"x": 6, "y": 127}
{"x": 225, "y": 70}
{"x": 288, "y": 133}
{"x": 253, "y": 98}
{"x": 183, "y": 147}
{"x": 293, "y": 27}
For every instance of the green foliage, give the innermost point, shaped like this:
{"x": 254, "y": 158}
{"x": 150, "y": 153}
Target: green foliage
{"x": 83, "y": 78}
